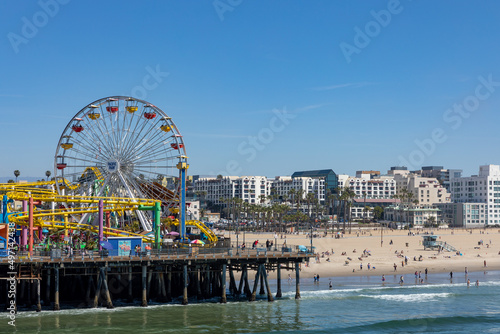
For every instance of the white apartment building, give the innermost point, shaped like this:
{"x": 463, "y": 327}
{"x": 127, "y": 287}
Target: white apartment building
{"x": 193, "y": 210}
{"x": 482, "y": 188}
{"x": 283, "y": 184}
{"x": 248, "y": 188}
{"x": 427, "y": 190}
{"x": 416, "y": 216}
{"x": 380, "y": 187}
{"x": 465, "y": 215}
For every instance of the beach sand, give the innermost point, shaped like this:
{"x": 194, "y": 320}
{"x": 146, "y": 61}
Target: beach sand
{"x": 383, "y": 257}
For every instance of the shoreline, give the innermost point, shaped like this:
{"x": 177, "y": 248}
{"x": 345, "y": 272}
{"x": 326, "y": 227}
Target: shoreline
{"x": 362, "y": 247}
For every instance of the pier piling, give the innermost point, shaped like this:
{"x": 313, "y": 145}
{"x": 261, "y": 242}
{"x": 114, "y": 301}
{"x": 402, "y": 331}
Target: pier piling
{"x": 185, "y": 285}
{"x": 278, "y": 283}
{"x": 223, "y": 299}
{"x": 38, "y": 297}
{"x": 297, "y": 280}
{"x": 106, "y": 290}
{"x": 144, "y": 302}
{"x": 57, "y": 307}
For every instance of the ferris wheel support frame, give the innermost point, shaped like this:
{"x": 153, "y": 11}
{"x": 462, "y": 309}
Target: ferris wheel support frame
{"x": 183, "y": 166}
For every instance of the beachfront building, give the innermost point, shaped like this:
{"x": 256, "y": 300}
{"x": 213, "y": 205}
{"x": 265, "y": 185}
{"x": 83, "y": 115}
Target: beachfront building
{"x": 382, "y": 187}
{"x": 482, "y": 188}
{"x": 463, "y": 215}
{"x": 425, "y": 190}
{"x": 442, "y": 175}
{"x": 282, "y": 186}
{"x": 326, "y": 182}
{"x": 359, "y": 207}
{"x": 251, "y": 189}
{"x": 415, "y": 215}
{"x": 369, "y": 185}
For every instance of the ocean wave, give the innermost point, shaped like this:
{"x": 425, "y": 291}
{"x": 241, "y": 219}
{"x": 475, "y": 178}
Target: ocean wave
{"x": 413, "y": 298}
{"x": 447, "y": 324}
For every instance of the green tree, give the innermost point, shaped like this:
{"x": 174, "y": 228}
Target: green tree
{"x": 47, "y": 174}
{"x": 16, "y": 174}
{"x": 378, "y": 212}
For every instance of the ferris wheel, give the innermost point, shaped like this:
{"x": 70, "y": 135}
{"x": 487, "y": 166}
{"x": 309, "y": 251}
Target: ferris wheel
{"x": 123, "y": 147}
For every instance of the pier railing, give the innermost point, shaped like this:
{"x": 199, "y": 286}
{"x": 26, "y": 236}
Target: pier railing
{"x": 164, "y": 253}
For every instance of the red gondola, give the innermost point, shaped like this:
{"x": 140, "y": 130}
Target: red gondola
{"x": 77, "y": 128}
{"x": 176, "y": 147}
{"x": 61, "y": 165}
{"x": 112, "y": 109}
{"x": 149, "y": 115}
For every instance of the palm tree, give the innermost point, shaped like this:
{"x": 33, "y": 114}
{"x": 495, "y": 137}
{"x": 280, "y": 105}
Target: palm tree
{"x": 348, "y": 196}
{"x": 291, "y": 195}
{"x": 309, "y": 199}
{"x": 262, "y": 199}
{"x": 364, "y": 204}
{"x": 16, "y": 174}
{"x": 47, "y": 174}
{"x": 299, "y": 195}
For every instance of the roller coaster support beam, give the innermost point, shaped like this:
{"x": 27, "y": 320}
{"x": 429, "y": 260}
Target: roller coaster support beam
{"x": 156, "y": 220}
{"x": 101, "y": 221}
{"x": 31, "y": 236}
{"x": 183, "y": 166}
{"x": 24, "y": 229}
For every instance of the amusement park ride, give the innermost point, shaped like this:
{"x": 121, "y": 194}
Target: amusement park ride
{"x": 120, "y": 167}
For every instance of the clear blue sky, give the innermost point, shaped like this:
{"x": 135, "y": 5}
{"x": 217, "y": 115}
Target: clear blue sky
{"x": 231, "y": 64}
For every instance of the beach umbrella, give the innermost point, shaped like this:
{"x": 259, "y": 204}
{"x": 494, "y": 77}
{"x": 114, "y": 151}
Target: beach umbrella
{"x": 302, "y": 248}
{"x": 106, "y": 245}
{"x": 197, "y": 242}
{"x": 173, "y": 233}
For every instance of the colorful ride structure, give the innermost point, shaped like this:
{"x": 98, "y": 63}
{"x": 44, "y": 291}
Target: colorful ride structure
{"x": 120, "y": 163}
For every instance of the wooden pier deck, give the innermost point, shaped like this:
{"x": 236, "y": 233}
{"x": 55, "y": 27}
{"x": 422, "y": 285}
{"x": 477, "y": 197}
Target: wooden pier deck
{"x": 174, "y": 275}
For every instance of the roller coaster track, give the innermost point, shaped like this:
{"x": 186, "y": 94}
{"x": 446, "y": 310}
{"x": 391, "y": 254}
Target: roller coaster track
{"x": 46, "y": 218}
{"x": 22, "y": 218}
{"x": 212, "y": 238}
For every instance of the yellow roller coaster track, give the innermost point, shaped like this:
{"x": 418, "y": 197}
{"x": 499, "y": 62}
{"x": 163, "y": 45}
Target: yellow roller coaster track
{"x": 21, "y": 218}
{"x": 212, "y": 238}
{"x": 24, "y": 191}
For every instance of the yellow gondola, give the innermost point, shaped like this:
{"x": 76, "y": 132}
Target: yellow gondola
{"x": 94, "y": 115}
{"x": 67, "y": 146}
{"x": 131, "y": 109}
{"x": 166, "y": 128}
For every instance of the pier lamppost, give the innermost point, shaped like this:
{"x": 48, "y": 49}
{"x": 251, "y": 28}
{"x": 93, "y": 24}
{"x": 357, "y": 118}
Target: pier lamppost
{"x": 311, "y": 235}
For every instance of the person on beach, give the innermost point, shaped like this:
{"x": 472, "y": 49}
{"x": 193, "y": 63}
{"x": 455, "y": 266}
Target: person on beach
{"x": 330, "y": 285}
{"x": 401, "y": 280}
{"x": 485, "y": 263}
{"x": 468, "y": 283}
{"x": 289, "y": 278}
{"x": 361, "y": 266}
{"x": 426, "y": 272}
{"x": 395, "y": 267}
{"x": 466, "y": 271}
{"x": 451, "y": 274}
{"x": 315, "y": 279}
{"x": 383, "y": 278}
{"x": 477, "y": 282}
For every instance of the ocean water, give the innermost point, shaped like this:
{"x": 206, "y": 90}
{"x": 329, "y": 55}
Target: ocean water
{"x": 353, "y": 305}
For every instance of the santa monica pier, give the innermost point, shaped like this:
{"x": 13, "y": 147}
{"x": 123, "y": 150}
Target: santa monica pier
{"x": 111, "y": 223}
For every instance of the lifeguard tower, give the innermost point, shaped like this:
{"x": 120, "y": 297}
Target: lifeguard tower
{"x": 430, "y": 241}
